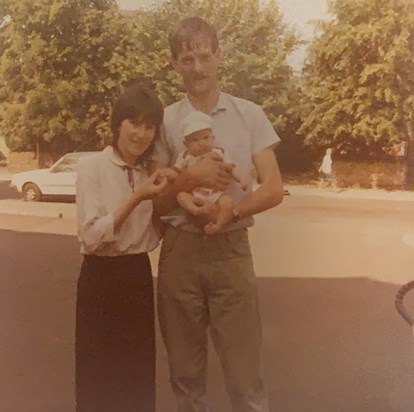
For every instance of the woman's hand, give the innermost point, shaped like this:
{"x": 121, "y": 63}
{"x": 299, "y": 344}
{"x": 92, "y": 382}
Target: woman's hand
{"x": 152, "y": 186}
{"x": 147, "y": 190}
{"x": 169, "y": 173}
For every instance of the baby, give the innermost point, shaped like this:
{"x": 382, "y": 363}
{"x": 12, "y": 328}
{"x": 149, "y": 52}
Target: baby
{"x": 203, "y": 201}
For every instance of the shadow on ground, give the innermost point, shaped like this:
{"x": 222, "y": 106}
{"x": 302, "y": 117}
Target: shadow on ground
{"x": 329, "y": 344}
{"x": 7, "y": 192}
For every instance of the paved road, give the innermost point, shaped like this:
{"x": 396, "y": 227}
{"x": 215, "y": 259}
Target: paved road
{"x": 328, "y": 272}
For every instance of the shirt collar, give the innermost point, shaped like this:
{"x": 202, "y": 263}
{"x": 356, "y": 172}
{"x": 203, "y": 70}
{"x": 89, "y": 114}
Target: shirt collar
{"x": 221, "y": 105}
{"x": 118, "y": 161}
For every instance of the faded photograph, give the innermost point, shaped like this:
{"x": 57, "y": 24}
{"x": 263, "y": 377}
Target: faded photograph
{"x": 207, "y": 206}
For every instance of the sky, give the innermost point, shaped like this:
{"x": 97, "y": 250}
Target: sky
{"x": 297, "y": 14}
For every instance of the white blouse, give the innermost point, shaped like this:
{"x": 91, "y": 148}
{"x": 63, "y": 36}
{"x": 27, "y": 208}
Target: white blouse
{"x": 103, "y": 184}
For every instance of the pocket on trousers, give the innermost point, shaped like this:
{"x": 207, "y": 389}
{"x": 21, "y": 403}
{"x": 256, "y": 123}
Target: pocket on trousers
{"x": 238, "y": 243}
{"x": 169, "y": 243}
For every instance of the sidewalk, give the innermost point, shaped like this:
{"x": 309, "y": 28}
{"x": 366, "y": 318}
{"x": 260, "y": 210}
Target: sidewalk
{"x": 68, "y": 210}
{"x": 5, "y": 176}
{"x": 374, "y": 194}
{"x": 39, "y": 209}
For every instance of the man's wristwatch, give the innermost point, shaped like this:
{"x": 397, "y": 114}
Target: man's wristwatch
{"x": 236, "y": 215}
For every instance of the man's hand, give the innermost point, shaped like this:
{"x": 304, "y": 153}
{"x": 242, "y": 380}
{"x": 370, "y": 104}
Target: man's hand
{"x": 211, "y": 172}
{"x": 197, "y": 207}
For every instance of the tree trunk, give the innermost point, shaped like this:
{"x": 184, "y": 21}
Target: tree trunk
{"x": 38, "y": 154}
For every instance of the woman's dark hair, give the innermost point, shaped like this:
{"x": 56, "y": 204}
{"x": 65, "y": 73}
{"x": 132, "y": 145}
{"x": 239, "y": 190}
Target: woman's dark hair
{"x": 138, "y": 102}
{"x": 185, "y": 31}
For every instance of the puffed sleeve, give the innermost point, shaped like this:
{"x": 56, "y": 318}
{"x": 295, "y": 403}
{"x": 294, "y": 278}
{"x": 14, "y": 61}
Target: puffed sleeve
{"x": 95, "y": 225}
{"x": 161, "y": 153}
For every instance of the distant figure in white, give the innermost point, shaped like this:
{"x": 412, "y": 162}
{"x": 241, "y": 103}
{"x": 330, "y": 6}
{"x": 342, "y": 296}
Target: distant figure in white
{"x": 326, "y": 173}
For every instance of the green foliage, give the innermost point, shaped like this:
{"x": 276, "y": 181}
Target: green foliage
{"x": 359, "y": 80}
{"x": 63, "y": 61}
{"x": 293, "y": 155}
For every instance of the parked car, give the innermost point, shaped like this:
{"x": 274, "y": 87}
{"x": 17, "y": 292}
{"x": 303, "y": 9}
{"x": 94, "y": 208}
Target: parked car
{"x": 58, "y": 180}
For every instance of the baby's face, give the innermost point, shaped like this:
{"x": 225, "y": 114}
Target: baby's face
{"x": 199, "y": 142}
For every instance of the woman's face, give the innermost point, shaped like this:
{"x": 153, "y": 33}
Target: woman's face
{"x": 134, "y": 139}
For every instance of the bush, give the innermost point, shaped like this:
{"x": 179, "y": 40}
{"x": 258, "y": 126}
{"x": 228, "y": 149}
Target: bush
{"x": 388, "y": 175}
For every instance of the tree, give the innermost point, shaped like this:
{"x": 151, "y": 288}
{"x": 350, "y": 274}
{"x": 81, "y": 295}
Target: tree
{"x": 61, "y": 63}
{"x": 359, "y": 80}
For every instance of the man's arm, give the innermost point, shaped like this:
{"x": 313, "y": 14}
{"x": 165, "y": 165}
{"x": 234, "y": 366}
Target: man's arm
{"x": 240, "y": 180}
{"x": 270, "y": 192}
{"x": 211, "y": 171}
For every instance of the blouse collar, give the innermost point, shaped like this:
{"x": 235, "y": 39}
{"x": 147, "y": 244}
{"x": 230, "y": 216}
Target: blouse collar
{"x": 118, "y": 161}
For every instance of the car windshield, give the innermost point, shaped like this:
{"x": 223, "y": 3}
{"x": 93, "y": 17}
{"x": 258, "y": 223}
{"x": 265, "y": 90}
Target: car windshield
{"x": 68, "y": 163}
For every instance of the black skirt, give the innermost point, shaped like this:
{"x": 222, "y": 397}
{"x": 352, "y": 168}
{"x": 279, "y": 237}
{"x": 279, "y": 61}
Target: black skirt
{"x": 115, "y": 336}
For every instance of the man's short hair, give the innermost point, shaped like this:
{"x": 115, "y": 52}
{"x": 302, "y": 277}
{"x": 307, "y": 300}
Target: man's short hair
{"x": 185, "y": 31}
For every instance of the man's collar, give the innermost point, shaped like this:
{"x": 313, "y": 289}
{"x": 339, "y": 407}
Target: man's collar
{"x": 220, "y": 106}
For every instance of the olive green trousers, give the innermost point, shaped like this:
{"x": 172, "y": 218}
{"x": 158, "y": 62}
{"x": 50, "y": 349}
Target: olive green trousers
{"x": 208, "y": 283}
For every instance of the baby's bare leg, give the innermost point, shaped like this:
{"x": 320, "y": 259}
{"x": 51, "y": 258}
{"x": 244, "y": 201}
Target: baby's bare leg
{"x": 196, "y": 206}
{"x": 185, "y": 200}
{"x": 225, "y": 213}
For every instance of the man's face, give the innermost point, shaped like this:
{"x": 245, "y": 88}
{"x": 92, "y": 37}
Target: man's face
{"x": 198, "y": 65}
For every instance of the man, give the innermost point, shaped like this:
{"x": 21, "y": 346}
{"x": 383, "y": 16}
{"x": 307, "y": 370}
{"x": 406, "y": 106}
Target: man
{"x": 208, "y": 282}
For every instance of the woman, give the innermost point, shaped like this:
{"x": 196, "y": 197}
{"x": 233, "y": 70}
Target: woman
{"x": 115, "y": 337}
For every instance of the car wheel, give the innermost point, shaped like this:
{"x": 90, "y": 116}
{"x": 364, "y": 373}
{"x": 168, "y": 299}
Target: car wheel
{"x": 31, "y": 192}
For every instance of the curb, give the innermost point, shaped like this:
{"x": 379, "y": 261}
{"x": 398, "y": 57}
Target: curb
{"x": 39, "y": 209}
{"x": 363, "y": 194}
{"x": 5, "y": 177}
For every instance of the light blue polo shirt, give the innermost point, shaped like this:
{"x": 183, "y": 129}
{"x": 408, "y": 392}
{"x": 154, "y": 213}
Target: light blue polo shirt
{"x": 240, "y": 127}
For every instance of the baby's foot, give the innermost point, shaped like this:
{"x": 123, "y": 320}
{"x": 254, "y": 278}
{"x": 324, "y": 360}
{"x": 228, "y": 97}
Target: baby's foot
{"x": 208, "y": 210}
{"x": 211, "y": 228}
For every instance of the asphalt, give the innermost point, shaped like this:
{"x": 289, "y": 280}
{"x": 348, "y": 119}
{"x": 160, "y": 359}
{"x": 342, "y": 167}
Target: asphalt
{"x": 332, "y": 339}
{"x": 329, "y": 344}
